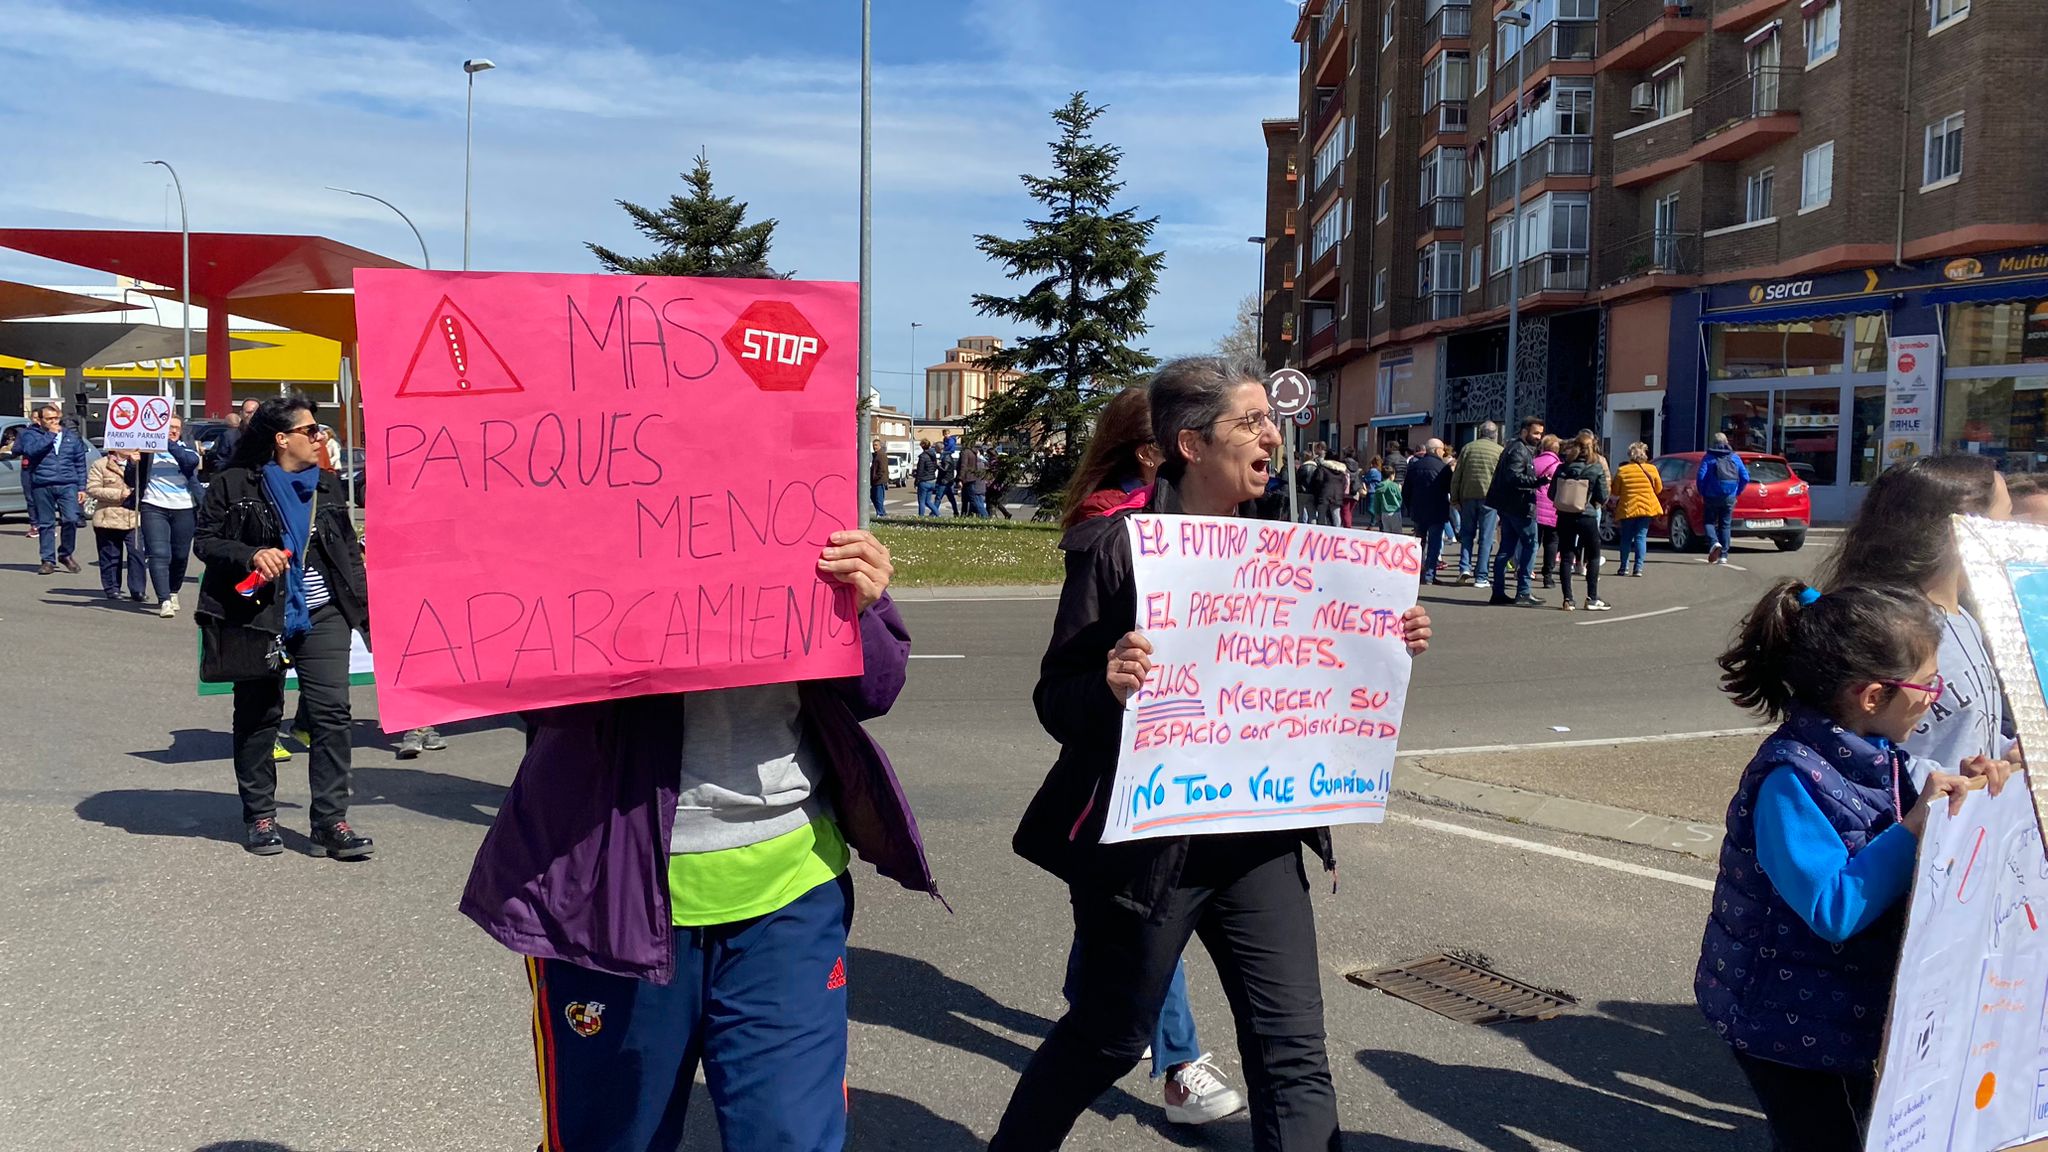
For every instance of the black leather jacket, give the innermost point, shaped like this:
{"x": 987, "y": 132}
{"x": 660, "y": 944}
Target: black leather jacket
{"x": 236, "y": 522}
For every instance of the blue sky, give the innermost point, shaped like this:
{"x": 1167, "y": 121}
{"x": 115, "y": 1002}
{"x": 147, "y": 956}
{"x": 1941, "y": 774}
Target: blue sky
{"x": 261, "y": 103}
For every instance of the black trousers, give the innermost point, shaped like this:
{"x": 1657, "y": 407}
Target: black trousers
{"x": 1546, "y": 544}
{"x": 1578, "y": 547}
{"x": 1247, "y": 897}
{"x": 1811, "y": 1111}
{"x": 115, "y": 544}
{"x": 320, "y": 657}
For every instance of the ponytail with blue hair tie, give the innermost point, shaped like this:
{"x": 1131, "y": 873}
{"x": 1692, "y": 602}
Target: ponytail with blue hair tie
{"x": 1808, "y": 595}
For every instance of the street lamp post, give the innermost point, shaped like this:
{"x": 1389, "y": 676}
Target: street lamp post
{"x": 867, "y": 204}
{"x": 472, "y": 67}
{"x": 426, "y": 261}
{"x": 1259, "y": 299}
{"x": 1518, "y": 19}
{"x": 185, "y": 289}
{"x": 917, "y": 398}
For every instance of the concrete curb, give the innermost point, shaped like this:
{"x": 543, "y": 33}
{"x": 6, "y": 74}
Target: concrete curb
{"x": 986, "y": 592}
{"x": 1562, "y": 814}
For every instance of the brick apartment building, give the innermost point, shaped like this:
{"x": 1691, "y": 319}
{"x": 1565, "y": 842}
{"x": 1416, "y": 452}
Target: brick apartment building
{"x": 1726, "y": 208}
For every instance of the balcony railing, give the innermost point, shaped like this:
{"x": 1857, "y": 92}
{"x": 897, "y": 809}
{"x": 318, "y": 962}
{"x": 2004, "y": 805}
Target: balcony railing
{"x": 1450, "y": 22}
{"x": 1441, "y": 305}
{"x": 1561, "y": 40}
{"x": 1443, "y": 212}
{"x": 1755, "y": 94}
{"x": 1553, "y": 272}
{"x": 1651, "y": 253}
{"x": 1329, "y": 106}
{"x": 1557, "y": 156}
{"x": 1626, "y": 18}
{"x": 1320, "y": 341}
{"x": 1445, "y": 116}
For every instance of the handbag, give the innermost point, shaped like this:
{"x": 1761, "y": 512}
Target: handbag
{"x": 229, "y": 653}
{"x": 1570, "y": 496}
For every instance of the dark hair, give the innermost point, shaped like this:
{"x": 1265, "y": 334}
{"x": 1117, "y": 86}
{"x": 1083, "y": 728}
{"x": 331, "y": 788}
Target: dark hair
{"x": 258, "y": 445}
{"x": 1787, "y": 650}
{"x": 1529, "y": 422}
{"x": 1122, "y": 427}
{"x": 1192, "y": 394}
{"x": 1901, "y": 534}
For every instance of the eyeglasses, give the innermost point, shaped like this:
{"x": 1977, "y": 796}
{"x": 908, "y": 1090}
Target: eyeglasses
{"x": 1933, "y": 690}
{"x": 310, "y": 431}
{"x": 1251, "y": 421}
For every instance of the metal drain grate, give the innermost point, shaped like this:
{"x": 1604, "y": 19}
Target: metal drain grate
{"x": 1462, "y": 990}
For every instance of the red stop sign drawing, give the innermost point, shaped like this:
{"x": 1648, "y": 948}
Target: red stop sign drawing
{"x": 775, "y": 345}
{"x": 1906, "y": 361}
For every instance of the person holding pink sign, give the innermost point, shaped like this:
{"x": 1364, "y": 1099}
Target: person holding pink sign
{"x": 1138, "y": 903}
{"x": 674, "y": 869}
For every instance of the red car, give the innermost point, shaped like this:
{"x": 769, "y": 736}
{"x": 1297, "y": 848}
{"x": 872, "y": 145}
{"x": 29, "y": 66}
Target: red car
{"x": 1774, "y": 505}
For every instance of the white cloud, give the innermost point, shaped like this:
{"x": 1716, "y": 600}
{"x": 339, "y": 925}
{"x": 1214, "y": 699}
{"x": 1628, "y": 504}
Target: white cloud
{"x": 258, "y": 119}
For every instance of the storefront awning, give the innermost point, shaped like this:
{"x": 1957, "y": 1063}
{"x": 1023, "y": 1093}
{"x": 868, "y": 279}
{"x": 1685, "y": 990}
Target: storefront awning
{"x": 1405, "y": 420}
{"x": 1802, "y": 310}
{"x": 1997, "y": 293}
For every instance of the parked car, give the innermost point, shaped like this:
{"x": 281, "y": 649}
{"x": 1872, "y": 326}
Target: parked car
{"x": 12, "y": 501}
{"x": 1775, "y": 505}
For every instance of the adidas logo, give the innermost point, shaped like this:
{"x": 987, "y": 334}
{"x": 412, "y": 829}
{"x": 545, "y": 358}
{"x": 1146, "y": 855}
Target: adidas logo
{"x": 837, "y": 979}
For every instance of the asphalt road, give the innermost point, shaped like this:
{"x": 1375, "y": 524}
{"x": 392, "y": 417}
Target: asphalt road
{"x": 166, "y": 991}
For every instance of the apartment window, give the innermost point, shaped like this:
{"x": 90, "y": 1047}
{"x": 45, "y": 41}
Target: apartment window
{"x": 1667, "y": 89}
{"x": 1444, "y": 78}
{"x": 1502, "y": 238}
{"x": 1559, "y": 223}
{"x": 1478, "y": 267}
{"x": 1379, "y": 289}
{"x": 1944, "y": 12}
{"x": 1574, "y": 108}
{"x": 1578, "y": 9}
{"x": 1823, "y": 32}
{"x": 1386, "y": 112}
{"x": 1379, "y": 205}
{"x": 1944, "y": 150}
{"x": 1443, "y": 174}
{"x": 1480, "y": 70}
{"x": 1757, "y": 205}
{"x": 1664, "y": 222}
{"x": 1478, "y": 167}
{"x": 1440, "y": 268}
{"x": 1386, "y": 388}
{"x": 1329, "y": 157}
{"x": 1387, "y": 26}
{"x": 1329, "y": 228}
{"x": 1817, "y": 177}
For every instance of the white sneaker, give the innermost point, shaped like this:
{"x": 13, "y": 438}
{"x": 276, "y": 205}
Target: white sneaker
{"x": 1597, "y": 606}
{"x": 1196, "y": 1094}
{"x": 1714, "y": 554}
{"x": 168, "y": 608}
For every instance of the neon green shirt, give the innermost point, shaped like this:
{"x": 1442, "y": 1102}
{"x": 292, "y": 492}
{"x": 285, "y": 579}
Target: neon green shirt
{"x": 733, "y": 884}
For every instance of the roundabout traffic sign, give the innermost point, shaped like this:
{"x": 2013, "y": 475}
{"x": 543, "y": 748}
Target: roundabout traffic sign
{"x": 1289, "y": 390}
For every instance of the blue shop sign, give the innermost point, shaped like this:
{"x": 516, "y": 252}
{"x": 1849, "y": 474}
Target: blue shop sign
{"x": 2019, "y": 274}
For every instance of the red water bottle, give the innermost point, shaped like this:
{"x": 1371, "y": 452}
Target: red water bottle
{"x": 256, "y": 580}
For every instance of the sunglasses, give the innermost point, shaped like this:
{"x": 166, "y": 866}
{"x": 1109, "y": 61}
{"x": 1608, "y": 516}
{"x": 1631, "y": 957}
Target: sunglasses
{"x": 1933, "y": 690}
{"x": 310, "y": 431}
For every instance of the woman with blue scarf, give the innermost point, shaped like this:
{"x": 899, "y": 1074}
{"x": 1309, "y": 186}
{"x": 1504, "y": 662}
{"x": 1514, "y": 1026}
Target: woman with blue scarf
{"x": 273, "y": 512}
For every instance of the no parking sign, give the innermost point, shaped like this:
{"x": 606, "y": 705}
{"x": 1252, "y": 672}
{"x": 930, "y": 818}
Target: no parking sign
{"x": 141, "y": 423}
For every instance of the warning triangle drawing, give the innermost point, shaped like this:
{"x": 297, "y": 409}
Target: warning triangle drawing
{"x": 454, "y": 358}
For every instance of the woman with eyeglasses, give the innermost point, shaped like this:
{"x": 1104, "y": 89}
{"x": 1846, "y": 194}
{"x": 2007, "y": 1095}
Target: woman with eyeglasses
{"x": 1901, "y": 538}
{"x": 1137, "y": 904}
{"x": 284, "y": 585}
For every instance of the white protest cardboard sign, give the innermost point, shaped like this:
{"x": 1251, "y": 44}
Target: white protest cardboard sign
{"x": 1279, "y": 676}
{"x": 138, "y": 422}
{"x": 1966, "y": 1053}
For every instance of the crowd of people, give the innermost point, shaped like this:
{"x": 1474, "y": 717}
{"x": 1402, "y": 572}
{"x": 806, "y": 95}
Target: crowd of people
{"x": 714, "y": 829}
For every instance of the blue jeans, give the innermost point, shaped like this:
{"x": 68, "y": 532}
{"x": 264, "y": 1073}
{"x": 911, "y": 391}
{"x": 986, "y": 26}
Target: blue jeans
{"x": 876, "y": 492}
{"x": 167, "y": 534}
{"x": 760, "y": 1003}
{"x": 1635, "y": 541}
{"x": 1517, "y": 543}
{"x": 977, "y": 498}
{"x": 1432, "y": 549}
{"x": 1718, "y": 519}
{"x": 1478, "y": 522}
{"x": 927, "y": 498}
{"x": 1174, "y": 1042}
{"x": 55, "y": 504}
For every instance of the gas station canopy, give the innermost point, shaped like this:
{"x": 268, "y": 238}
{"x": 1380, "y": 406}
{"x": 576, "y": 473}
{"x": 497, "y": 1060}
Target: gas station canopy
{"x": 76, "y": 344}
{"x": 21, "y": 301}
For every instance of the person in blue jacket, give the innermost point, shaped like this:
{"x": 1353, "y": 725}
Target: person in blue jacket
{"x": 1797, "y": 961}
{"x": 53, "y": 457}
{"x": 1721, "y": 478}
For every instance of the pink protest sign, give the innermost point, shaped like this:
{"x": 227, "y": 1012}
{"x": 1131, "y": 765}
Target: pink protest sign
{"x": 588, "y": 487}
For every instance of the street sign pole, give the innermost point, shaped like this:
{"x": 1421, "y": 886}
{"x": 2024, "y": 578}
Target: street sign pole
{"x": 1289, "y": 391}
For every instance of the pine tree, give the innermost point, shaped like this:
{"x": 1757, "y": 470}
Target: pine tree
{"x": 1089, "y": 279}
{"x": 700, "y": 234}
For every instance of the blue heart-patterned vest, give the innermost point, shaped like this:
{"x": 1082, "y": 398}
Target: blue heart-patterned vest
{"x": 1767, "y": 983}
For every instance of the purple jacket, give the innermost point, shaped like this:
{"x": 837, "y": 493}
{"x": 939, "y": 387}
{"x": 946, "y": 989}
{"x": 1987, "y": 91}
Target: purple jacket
{"x": 575, "y": 867}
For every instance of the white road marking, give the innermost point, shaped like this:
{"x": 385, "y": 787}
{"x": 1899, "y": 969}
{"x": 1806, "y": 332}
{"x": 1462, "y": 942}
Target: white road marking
{"x": 1553, "y": 850}
{"x": 1637, "y": 616}
{"x": 929, "y": 656}
{"x": 1664, "y": 738}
